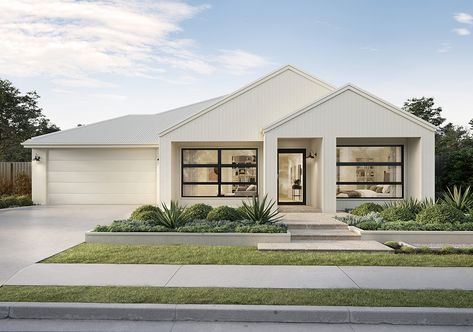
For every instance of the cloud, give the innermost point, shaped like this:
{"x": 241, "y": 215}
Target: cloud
{"x": 239, "y": 62}
{"x": 109, "y": 96}
{"x": 73, "y": 41}
{"x": 369, "y": 48}
{"x": 463, "y": 18}
{"x": 462, "y": 31}
{"x": 444, "y": 48}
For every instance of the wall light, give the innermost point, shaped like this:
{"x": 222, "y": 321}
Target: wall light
{"x": 37, "y": 157}
{"x": 311, "y": 155}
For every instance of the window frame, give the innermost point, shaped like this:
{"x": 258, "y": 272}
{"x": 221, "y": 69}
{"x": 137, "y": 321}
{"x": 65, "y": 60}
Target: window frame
{"x": 219, "y": 165}
{"x": 373, "y": 163}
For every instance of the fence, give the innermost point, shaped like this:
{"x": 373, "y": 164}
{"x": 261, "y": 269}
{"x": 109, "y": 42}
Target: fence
{"x": 9, "y": 170}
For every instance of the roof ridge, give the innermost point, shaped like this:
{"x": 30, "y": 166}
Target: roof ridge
{"x": 355, "y": 89}
{"x": 244, "y": 89}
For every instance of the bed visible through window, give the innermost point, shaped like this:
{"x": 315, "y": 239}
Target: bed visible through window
{"x": 370, "y": 172}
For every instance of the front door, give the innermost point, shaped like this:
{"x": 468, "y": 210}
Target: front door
{"x": 291, "y": 176}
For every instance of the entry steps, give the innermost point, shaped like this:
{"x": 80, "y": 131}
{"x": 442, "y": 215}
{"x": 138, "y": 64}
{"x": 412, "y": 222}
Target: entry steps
{"x": 321, "y": 232}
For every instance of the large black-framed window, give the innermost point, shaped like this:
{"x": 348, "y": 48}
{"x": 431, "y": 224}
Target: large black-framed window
{"x": 219, "y": 172}
{"x": 370, "y": 171}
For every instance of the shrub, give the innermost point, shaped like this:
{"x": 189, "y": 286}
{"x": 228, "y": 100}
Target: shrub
{"x": 223, "y": 213}
{"x": 260, "y": 211}
{"x": 365, "y": 208}
{"x": 394, "y": 213}
{"x": 130, "y": 226}
{"x": 462, "y": 200}
{"x": 173, "y": 216}
{"x": 6, "y": 187}
{"x": 393, "y": 244}
{"x": 22, "y": 184}
{"x": 14, "y": 201}
{"x": 150, "y": 216}
{"x": 261, "y": 228}
{"x": 369, "y": 225}
{"x": 198, "y": 211}
{"x": 356, "y": 220}
{"x": 135, "y": 215}
{"x": 440, "y": 214}
{"x": 401, "y": 226}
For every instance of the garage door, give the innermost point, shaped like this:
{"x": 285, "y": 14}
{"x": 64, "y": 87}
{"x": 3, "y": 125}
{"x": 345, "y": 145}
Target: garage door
{"x": 101, "y": 176}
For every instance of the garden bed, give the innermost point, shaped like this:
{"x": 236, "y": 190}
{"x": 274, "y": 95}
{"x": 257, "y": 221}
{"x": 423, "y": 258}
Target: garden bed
{"x": 210, "y": 239}
{"x": 447, "y": 237}
{"x": 200, "y": 224}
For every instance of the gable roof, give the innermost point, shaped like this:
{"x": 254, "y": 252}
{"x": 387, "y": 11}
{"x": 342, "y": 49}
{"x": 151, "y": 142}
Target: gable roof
{"x": 134, "y": 129}
{"x": 246, "y": 89}
{"x": 361, "y": 92}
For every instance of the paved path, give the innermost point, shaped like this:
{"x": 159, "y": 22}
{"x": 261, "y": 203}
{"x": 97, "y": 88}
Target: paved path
{"x": 246, "y": 276}
{"x": 29, "y": 234}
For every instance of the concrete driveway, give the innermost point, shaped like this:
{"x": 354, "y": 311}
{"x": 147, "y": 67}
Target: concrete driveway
{"x": 30, "y": 234}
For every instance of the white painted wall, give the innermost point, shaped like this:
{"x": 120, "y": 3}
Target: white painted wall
{"x": 39, "y": 176}
{"x": 101, "y": 176}
{"x": 353, "y": 115}
{"x": 239, "y": 119}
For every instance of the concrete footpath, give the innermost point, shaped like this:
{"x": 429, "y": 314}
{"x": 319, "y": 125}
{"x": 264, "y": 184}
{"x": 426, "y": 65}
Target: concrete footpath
{"x": 245, "y": 276}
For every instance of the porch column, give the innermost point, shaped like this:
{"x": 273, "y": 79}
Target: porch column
{"x": 165, "y": 167}
{"x": 329, "y": 174}
{"x": 270, "y": 174}
{"x": 428, "y": 166}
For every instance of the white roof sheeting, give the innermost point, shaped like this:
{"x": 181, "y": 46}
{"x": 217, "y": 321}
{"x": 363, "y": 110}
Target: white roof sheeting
{"x": 139, "y": 129}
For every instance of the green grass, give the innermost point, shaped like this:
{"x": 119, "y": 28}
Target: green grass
{"x": 328, "y": 297}
{"x": 180, "y": 254}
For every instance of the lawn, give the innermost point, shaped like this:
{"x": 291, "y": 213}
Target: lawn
{"x": 180, "y": 254}
{"x": 325, "y": 297}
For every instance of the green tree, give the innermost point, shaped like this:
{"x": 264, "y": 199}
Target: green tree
{"x": 424, "y": 109}
{"x": 453, "y": 145}
{"x": 20, "y": 119}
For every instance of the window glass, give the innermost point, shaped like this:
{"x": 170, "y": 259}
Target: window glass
{"x": 200, "y": 174}
{"x": 199, "y": 157}
{"x": 238, "y": 156}
{"x": 369, "y": 173}
{"x": 369, "y": 191}
{"x": 239, "y": 190}
{"x": 239, "y": 174}
{"x": 219, "y": 172}
{"x": 201, "y": 190}
{"x": 369, "y": 154}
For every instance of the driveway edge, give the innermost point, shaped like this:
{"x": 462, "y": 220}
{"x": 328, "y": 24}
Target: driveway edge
{"x": 238, "y": 313}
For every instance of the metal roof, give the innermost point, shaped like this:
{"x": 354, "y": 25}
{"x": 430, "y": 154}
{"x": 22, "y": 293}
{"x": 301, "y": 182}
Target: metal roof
{"x": 139, "y": 129}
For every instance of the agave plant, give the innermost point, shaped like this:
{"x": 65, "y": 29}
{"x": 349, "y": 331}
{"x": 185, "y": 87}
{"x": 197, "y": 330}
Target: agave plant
{"x": 260, "y": 210}
{"x": 462, "y": 200}
{"x": 172, "y": 216}
{"x": 412, "y": 204}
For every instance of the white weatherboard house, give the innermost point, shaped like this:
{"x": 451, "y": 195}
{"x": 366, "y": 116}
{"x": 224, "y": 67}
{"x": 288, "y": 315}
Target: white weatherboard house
{"x": 289, "y": 135}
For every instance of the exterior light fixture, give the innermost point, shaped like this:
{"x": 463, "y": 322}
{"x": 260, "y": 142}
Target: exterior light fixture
{"x": 311, "y": 155}
{"x": 37, "y": 157}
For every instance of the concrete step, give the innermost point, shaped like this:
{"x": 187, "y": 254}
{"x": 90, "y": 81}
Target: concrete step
{"x": 323, "y": 234}
{"x": 306, "y": 225}
{"x": 328, "y": 246}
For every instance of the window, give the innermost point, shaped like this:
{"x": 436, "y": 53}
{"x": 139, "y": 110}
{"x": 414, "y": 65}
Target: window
{"x": 370, "y": 172}
{"x": 219, "y": 172}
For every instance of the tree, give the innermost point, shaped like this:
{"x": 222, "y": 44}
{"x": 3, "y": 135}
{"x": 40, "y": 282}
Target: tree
{"x": 20, "y": 119}
{"x": 424, "y": 109}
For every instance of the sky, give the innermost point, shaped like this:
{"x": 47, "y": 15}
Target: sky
{"x": 94, "y": 60}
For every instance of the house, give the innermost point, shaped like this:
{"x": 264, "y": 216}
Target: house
{"x": 289, "y": 135}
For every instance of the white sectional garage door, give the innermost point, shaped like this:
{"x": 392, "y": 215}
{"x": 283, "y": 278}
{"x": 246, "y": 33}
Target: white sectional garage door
{"x": 101, "y": 176}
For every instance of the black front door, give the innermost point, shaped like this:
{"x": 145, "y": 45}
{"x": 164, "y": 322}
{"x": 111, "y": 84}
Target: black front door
{"x": 291, "y": 176}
